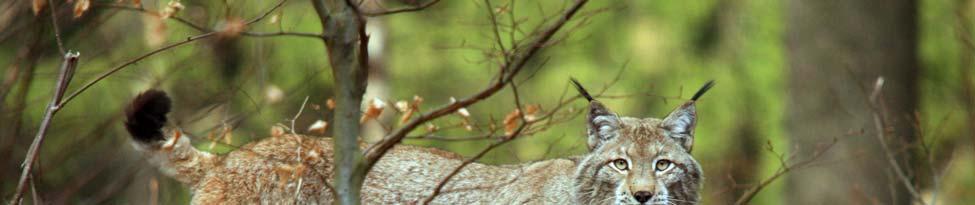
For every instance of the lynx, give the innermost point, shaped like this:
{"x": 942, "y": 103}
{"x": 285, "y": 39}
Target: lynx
{"x": 630, "y": 161}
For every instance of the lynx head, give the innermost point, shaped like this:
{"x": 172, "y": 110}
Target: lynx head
{"x": 639, "y": 160}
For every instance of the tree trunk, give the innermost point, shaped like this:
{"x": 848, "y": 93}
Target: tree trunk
{"x": 345, "y": 39}
{"x": 836, "y": 49}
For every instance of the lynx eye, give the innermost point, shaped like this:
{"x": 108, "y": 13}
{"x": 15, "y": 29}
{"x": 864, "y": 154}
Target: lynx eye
{"x": 621, "y": 164}
{"x": 663, "y": 165}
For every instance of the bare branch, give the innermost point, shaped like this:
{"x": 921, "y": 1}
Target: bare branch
{"x": 159, "y": 50}
{"x": 495, "y": 27}
{"x": 402, "y": 10}
{"x": 513, "y": 65}
{"x": 514, "y": 135}
{"x": 785, "y": 168}
{"x": 207, "y": 30}
{"x": 880, "y": 124}
{"x": 266, "y": 13}
{"x": 69, "y": 63}
{"x": 130, "y": 62}
{"x": 54, "y": 23}
{"x": 296, "y": 118}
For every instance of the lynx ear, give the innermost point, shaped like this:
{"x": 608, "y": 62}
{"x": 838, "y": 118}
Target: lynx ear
{"x": 680, "y": 122}
{"x": 603, "y": 125}
{"x": 680, "y": 125}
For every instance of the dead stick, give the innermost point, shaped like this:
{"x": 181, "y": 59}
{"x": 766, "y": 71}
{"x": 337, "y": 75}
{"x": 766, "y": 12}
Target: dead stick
{"x": 70, "y": 61}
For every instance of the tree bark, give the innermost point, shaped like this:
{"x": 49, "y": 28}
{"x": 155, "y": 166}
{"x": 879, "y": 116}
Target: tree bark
{"x": 836, "y": 49}
{"x": 345, "y": 40}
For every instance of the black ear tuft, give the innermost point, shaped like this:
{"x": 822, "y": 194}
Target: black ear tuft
{"x": 707, "y": 86}
{"x": 581, "y": 90}
{"x": 146, "y": 116}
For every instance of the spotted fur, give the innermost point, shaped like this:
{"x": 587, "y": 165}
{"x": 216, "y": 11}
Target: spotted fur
{"x": 296, "y": 169}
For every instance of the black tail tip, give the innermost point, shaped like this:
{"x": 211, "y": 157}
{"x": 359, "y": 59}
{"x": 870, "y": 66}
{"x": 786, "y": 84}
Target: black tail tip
{"x": 581, "y": 89}
{"x": 146, "y": 116}
{"x": 707, "y": 86}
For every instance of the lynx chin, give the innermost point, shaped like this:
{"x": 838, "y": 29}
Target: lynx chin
{"x": 630, "y": 161}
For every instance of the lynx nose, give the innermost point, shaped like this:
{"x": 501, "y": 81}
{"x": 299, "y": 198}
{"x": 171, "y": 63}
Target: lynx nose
{"x": 642, "y": 196}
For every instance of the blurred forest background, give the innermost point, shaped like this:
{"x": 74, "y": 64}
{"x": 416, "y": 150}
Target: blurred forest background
{"x": 793, "y": 78}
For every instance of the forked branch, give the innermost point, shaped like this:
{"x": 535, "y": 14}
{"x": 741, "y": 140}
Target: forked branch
{"x": 880, "y": 121}
{"x": 784, "y": 169}
{"x": 68, "y": 64}
{"x": 510, "y": 68}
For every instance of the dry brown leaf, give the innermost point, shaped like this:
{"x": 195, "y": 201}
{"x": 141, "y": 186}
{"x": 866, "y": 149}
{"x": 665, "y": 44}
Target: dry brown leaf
{"x": 417, "y": 100}
{"x": 407, "y": 109}
{"x": 38, "y": 6}
{"x": 228, "y": 134}
{"x": 137, "y": 2}
{"x": 410, "y": 109}
{"x": 80, "y": 7}
{"x": 432, "y": 128}
{"x": 155, "y": 30}
{"x": 318, "y": 127}
{"x": 312, "y": 156}
{"x": 462, "y": 111}
{"x": 212, "y": 137}
{"x": 232, "y": 28}
{"x": 402, "y": 106}
{"x": 274, "y": 19}
{"x": 330, "y": 103}
{"x": 171, "y": 9}
{"x": 273, "y": 94}
{"x": 373, "y": 110}
{"x": 406, "y": 116}
{"x": 531, "y": 110}
{"x": 511, "y": 121}
{"x": 277, "y": 131}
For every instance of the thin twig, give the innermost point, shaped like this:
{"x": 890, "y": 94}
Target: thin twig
{"x": 130, "y": 62}
{"x": 54, "y": 24}
{"x": 33, "y": 191}
{"x": 880, "y": 124}
{"x": 207, "y": 30}
{"x": 301, "y": 178}
{"x": 495, "y": 27}
{"x": 785, "y": 168}
{"x": 137, "y": 59}
{"x": 266, "y": 13}
{"x": 509, "y": 138}
{"x": 515, "y": 64}
{"x": 402, "y": 10}
{"x": 298, "y": 115}
{"x": 69, "y": 63}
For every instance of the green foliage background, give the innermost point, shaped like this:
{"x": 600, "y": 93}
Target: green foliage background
{"x": 663, "y": 50}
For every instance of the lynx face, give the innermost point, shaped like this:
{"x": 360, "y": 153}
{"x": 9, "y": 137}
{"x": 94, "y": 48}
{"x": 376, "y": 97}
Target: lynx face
{"x": 639, "y": 161}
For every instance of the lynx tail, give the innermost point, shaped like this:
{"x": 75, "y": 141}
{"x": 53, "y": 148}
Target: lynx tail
{"x": 146, "y": 116}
